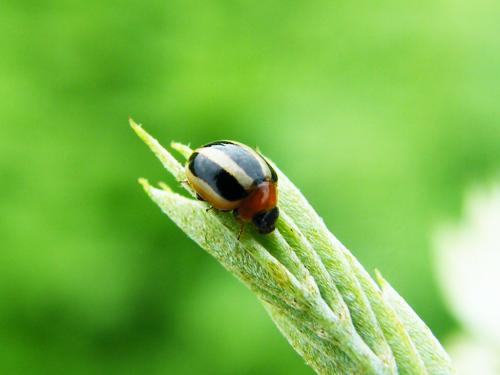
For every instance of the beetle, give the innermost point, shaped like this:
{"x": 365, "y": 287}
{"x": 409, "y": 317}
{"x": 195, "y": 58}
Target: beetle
{"x": 232, "y": 176}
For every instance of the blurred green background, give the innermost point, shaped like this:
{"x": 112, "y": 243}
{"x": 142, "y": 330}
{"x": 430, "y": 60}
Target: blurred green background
{"x": 381, "y": 112}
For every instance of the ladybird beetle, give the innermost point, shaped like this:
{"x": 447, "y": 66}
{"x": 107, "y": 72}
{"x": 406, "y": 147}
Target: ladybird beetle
{"x": 232, "y": 176}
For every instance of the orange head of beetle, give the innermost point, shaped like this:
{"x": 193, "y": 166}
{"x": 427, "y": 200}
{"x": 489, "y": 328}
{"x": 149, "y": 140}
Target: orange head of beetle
{"x": 260, "y": 207}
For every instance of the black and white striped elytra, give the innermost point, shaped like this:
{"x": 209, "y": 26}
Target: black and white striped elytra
{"x": 224, "y": 173}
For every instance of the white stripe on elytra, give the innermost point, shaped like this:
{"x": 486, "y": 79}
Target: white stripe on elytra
{"x": 225, "y": 162}
{"x": 263, "y": 165}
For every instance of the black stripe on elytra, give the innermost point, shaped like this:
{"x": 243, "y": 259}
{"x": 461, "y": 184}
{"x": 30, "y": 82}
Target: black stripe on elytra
{"x": 245, "y": 159}
{"x": 274, "y": 176}
{"x": 191, "y": 164}
{"x": 217, "y": 178}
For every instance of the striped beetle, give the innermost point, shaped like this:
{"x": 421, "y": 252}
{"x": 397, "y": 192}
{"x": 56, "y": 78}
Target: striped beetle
{"x": 232, "y": 176}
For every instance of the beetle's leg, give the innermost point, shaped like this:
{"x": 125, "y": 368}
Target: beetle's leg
{"x": 242, "y": 223}
{"x": 200, "y": 198}
{"x": 242, "y": 229}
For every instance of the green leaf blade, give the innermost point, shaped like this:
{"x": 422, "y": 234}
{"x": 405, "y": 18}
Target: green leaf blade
{"x": 316, "y": 292}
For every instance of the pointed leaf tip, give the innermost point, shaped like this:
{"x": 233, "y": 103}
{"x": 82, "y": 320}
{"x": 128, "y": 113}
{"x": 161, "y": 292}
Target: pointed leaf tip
{"x": 164, "y": 186}
{"x": 182, "y": 149}
{"x": 137, "y": 128}
{"x": 132, "y": 122}
{"x": 144, "y": 182}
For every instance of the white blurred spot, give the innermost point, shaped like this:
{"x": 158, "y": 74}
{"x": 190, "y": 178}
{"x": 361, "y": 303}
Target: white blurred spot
{"x": 473, "y": 357}
{"x": 468, "y": 265}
